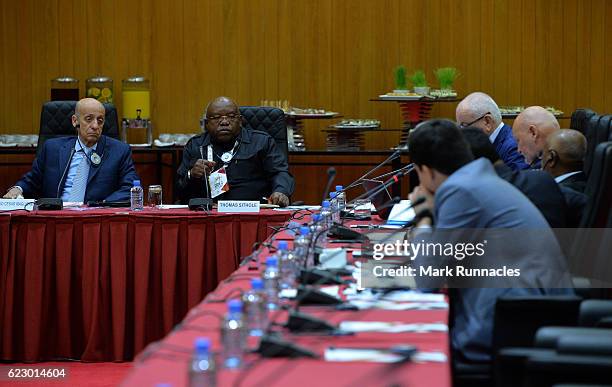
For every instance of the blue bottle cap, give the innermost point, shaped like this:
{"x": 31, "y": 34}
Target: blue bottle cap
{"x": 136, "y": 183}
{"x": 325, "y": 204}
{"x": 283, "y": 246}
{"x": 339, "y": 188}
{"x": 202, "y": 344}
{"x": 271, "y": 261}
{"x": 256, "y": 284}
{"x": 234, "y": 306}
{"x": 316, "y": 217}
{"x": 333, "y": 194}
{"x": 304, "y": 230}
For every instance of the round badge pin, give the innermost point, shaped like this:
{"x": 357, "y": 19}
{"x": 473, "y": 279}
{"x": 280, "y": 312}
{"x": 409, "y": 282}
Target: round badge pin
{"x": 227, "y": 156}
{"x": 95, "y": 158}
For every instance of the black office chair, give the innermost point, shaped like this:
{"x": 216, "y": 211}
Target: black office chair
{"x": 267, "y": 119}
{"x": 56, "y": 121}
{"x": 580, "y": 118}
{"x": 599, "y": 188}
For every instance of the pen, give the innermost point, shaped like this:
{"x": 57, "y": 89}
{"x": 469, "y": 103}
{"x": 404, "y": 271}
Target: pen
{"x": 364, "y": 226}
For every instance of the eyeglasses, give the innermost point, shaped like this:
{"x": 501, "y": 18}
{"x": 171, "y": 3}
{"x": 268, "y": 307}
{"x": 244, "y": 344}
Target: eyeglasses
{"x": 464, "y": 125}
{"x": 218, "y": 118}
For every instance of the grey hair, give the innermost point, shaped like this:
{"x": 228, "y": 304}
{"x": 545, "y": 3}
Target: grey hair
{"x": 481, "y": 103}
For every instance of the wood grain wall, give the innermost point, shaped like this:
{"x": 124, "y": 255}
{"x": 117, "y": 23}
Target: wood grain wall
{"x": 331, "y": 54}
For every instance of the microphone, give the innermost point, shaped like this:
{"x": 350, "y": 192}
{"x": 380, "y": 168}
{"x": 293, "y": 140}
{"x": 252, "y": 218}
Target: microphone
{"x": 393, "y": 156}
{"x": 72, "y": 151}
{"x": 331, "y": 175}
{"x": 392, "y": 180}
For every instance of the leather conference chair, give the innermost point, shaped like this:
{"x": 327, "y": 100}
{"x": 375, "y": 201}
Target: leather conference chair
{"x": 267, "y": 119}
{"x": 599, "y": 188}
{"x": 516, "y": 321}
{"x": 580, "y": 118}
{"x": 56, "y": 121}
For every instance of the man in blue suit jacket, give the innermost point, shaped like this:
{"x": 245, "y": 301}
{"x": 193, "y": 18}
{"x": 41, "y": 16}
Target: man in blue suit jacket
{"x": 466, "y": 197}
{"x": 108, "y": 172}
{"x": 481, "y": 111}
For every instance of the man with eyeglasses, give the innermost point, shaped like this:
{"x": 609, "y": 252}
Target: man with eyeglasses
{"x": 480, "y": 110}
{"x": 88, "y": 167}
{"x": 247, "y": 162}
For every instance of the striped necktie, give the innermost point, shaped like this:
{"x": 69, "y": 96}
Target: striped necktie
{"x": 77, "y": 193}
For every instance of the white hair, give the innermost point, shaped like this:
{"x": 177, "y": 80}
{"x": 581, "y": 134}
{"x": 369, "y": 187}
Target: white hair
{"x": 481, "y": 103}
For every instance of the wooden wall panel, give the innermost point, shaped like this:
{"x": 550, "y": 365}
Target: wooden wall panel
{"x": 332, "y": 54}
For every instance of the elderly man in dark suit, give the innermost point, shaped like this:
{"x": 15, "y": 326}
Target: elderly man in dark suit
{"x": 87, "y": 167}
{"x": 563, "y": 158}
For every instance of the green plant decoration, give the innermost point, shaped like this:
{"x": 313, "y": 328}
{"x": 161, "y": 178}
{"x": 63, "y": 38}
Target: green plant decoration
{"x": 446, "y": 77}
{"x": 400, "y": 78}
{"x": 418, "y": 79}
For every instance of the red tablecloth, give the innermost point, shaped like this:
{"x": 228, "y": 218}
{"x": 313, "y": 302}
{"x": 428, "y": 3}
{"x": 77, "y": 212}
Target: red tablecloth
{"x": 101, "y": 284}
{"x": 167, "y": 360}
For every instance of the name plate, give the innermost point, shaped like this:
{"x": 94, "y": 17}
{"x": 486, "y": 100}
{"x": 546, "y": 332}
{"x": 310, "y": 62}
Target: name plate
{"x": 16, "y": 204}
{"x": 237, "y": 206}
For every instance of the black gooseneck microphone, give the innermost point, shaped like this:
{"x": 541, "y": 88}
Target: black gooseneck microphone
{"x": 331, "y": 175}
{"x": 59, "y": 185}
{"x": 392, "y": 157}
{"x": 392, "y": 180}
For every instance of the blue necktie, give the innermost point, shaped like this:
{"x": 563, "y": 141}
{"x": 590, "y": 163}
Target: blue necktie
{"x": 77, "y": 193}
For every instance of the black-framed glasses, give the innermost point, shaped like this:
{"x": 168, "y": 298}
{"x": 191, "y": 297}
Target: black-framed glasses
{"x": 218, "y": 118}
{"x": 464, "y": 125}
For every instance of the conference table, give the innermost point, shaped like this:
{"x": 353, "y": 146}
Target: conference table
{"x": 167, "y": 360}
{"x": 100, "y": 284}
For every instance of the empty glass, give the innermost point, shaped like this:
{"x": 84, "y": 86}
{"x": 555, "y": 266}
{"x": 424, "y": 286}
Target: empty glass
{"x": 154, "y": 197}
{"x": 363, "y": 209}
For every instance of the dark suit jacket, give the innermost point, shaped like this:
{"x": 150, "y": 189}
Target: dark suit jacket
{"x": 506, "y": 148}
{"x": 576, "y": 182}
{"x": 111, "y": 180}
{"x": 541, "y": 189}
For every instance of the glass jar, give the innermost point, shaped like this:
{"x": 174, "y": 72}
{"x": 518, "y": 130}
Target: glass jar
{"x": 100, "y": 88}
{"x": 136, "y": 95}
{"x": 64, "y": 89}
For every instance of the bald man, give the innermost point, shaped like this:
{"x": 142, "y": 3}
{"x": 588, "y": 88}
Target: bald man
{"x": 480, "y": 110}
{"x": 248, "y": 163}
{"x": 531, "y": 130}
{"x": 82, "y": 168}
{"x": 563, "y": 158}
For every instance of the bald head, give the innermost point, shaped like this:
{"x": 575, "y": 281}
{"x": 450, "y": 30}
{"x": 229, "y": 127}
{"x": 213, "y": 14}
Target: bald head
{"x": 531, "y": 129}
{"x": 88, "y": 119}
{"x": 478, "y": 110}
{"x": 564, "y": 152}
{"x": 223, "y": 120}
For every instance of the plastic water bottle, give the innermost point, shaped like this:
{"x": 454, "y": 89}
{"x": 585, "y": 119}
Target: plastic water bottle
{"x": 255, "y": 308}
{"x": 288, "y": 266}
{"x": 233, "y": 335}
{"x": 202, "y": 370}
{"x": 326, "y": 215}
{"x": 271, "y": 282}
{"x": 341, "y": 198}
{"x": 136, "y": 196}
{"x": 301, "y": 247}
{"x": 333, "y": 208}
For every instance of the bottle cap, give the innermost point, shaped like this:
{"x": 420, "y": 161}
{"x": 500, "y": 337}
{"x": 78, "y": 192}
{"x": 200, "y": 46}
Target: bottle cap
{"x": 256, "y": 284}
{"x": 234, "y": 306}
{"x": 333, "y": 194}
{"x": 283, "y": 246}
{"x": 136, "y": 183}
{"x": 304, "y": 230}
{"x": 325, "y": 204}
{"x": 271, "y": 261}
{"x": 339, "y": 188}
{"x": 316, "y": 218}
{"x": 202, "y": 344}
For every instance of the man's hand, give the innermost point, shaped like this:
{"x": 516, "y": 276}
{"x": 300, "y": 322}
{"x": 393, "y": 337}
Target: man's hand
{"x": 428, "y": 204}
{"x": 279, "y": 198}
{"x": 12, "y": 193}
{"x": 200, "y": 167}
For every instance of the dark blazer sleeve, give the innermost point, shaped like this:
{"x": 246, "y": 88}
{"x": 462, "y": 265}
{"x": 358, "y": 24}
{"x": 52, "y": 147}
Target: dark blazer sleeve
{"x": 31, "y": 183}
{"x": 277, "y": 169}
{"x": 127, "y": 175}
{"x": 189, "y": 188}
